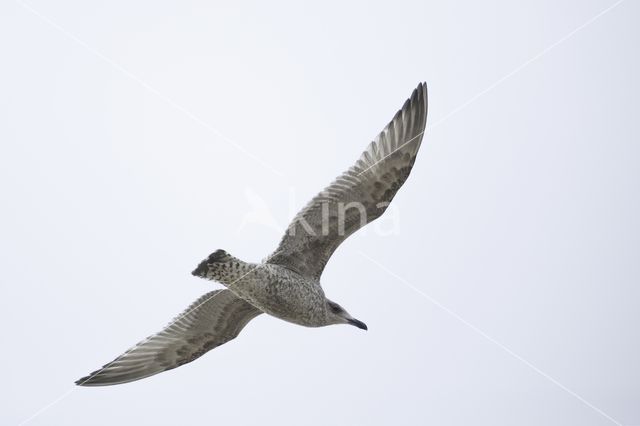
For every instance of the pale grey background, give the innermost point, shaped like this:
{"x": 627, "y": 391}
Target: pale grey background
{"x": 521, "y": 215}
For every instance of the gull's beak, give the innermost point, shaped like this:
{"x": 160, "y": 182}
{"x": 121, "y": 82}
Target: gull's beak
{"x": 357, "y": 323}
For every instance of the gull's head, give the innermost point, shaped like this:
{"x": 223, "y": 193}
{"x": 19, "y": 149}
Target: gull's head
{"x": 336, "y": 314}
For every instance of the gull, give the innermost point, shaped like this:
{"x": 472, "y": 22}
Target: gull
{"x": 285, "y": 285}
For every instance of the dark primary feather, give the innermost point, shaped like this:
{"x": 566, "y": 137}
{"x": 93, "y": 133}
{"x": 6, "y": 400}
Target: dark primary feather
{"x": 210, "y": 321}
{"x": 372, "y": 183}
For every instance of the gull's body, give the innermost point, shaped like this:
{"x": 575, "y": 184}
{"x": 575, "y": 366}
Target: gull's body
{"x": 272, "y": 289}
{"x": 286, "y": 285}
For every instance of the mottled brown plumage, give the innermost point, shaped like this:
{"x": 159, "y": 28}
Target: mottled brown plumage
{"x": 371, "y": 182}
{"x": 210, "y": 321}
{"x": 287, "y": 284}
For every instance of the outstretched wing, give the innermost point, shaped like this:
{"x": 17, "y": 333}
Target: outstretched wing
{"x": 210, "y": 321}
{"x": 358, "y": 196}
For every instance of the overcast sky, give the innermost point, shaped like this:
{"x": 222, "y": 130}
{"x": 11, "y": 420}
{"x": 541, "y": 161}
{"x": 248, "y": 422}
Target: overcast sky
{"x": 138, "y": 137}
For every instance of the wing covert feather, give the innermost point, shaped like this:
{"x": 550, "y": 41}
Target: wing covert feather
{"x": 209, "y": 322}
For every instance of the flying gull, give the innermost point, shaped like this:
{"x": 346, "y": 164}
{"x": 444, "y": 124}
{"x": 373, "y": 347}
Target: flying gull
{"x": 285, "y": 285}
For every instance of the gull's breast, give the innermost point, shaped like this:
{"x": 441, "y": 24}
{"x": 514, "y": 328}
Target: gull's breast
{"x": 289, "y": 296}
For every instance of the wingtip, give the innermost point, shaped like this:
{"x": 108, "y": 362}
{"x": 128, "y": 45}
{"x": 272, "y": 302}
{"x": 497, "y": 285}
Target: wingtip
{"x": 87, "y": 380}
{"x": 83, "y": 381}
{"x": 422, "y": 88}
{"x": 99, "y": 380}
{"x": 419, "y": 95}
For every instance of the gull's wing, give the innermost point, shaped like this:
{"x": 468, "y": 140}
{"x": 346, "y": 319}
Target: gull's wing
{"x": 357, "y": 197}
{"x": 210, "y": 321}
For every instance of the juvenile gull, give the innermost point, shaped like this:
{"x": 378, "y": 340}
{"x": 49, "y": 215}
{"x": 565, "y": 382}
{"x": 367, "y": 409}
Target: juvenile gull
{"x": 286, "y": 285}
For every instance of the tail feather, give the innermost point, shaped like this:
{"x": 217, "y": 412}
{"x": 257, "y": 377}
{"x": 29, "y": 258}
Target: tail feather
{"x": 204, "y": 266}
{"x": 219, "y": 266}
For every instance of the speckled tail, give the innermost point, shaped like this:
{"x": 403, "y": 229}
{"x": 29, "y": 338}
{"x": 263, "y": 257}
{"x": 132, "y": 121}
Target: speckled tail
{"x": 222, "y": 267}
